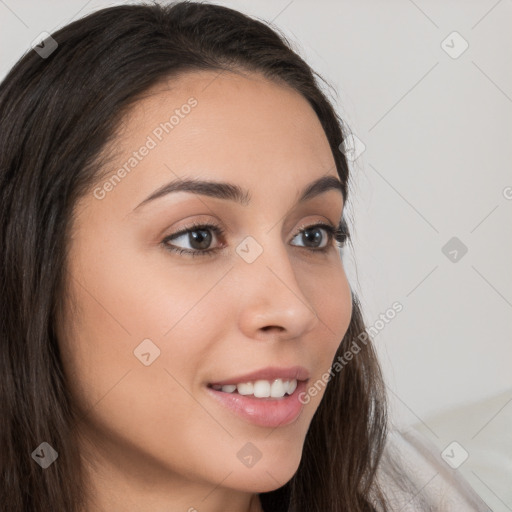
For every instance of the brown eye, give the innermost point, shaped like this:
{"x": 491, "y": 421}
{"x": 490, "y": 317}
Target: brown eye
{"x": 197, "y": 236}
{"x": 312, "y": 236}
{"x": 199, "y": 239}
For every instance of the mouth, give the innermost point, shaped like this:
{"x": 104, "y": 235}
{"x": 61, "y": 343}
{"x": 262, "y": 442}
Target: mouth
{"x": 266, "y": 382}
{"x": 263, "y": 398}
{"x": 277, "y": 389}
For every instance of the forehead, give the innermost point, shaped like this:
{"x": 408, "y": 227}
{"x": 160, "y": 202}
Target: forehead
{"x": 245, "y": 130}
{"x": 239, "y": 126}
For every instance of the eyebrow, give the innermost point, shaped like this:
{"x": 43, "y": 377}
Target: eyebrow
{"x": 232, "y": 192}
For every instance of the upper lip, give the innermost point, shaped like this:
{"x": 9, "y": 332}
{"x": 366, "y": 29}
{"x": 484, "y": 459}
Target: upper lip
{"x": 268, "y": 373}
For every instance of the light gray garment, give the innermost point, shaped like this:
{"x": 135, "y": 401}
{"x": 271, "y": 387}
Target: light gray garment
{"x": 431, "y": 484}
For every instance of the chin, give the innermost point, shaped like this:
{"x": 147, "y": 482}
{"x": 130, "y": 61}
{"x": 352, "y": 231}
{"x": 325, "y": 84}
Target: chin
{"x": 265, "y": 476}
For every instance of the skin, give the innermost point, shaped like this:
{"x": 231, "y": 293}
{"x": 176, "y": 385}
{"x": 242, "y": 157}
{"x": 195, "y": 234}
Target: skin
{"x": 151, "y": 436}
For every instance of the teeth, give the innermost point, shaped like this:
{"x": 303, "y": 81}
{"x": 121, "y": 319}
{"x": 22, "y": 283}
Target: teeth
{"x": 277, "y": 389}
{"x": 261, "y": 388}
{"x": 245, "y": 389}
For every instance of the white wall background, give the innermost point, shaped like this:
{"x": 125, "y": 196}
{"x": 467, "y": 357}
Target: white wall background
{"x": 437, "y": 164}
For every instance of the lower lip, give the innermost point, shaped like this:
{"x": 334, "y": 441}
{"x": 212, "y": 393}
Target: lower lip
{"x": 265, "y": 412}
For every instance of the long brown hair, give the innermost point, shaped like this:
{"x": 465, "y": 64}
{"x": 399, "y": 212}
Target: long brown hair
{"x": 57, "y": 115}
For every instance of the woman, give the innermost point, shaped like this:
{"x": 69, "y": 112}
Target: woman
{"x": 137, "y": 373}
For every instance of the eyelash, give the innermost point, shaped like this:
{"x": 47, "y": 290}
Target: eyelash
{"x": 340, "y": 234}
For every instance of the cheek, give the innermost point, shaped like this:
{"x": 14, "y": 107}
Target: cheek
{"x": 123, "y": 302}
{"x": 332, "y": 300}
{"x": 134, "y": 314}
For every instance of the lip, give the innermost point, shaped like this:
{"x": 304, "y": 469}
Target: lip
{"x": 264, "y": 412}
{"x": 269, "y": 373}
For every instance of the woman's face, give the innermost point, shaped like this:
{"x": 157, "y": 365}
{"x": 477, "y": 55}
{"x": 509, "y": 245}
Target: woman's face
{"x": 154, "y": 329}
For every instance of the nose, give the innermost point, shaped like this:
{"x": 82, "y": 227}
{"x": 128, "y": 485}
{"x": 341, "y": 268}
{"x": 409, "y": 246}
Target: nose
{"x": 272, "y": 302}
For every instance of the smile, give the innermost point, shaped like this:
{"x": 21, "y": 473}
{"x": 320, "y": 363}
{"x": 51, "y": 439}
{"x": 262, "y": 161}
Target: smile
{"x": 260, "y": 388}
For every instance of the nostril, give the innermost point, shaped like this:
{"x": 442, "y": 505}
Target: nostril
{"x": 268, "y": 327}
